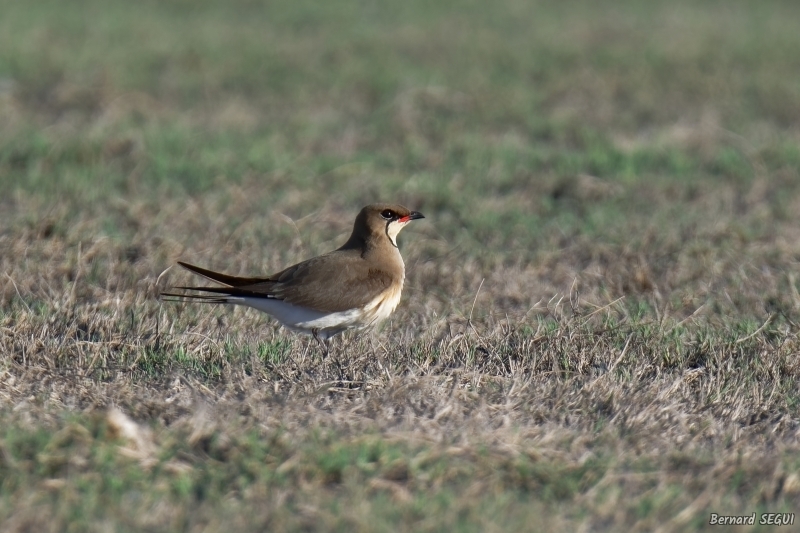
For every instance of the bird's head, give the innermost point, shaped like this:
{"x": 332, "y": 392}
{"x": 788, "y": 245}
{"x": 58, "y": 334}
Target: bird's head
{"x": 383, "y": 221}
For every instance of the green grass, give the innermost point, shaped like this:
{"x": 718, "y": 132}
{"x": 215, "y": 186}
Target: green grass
{"x": 86, "y": 482}
{"x": 77, "y": 476}
{"x": 599, "y": 324}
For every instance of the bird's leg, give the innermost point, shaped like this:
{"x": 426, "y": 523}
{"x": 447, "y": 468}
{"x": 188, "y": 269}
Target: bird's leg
{"x": 340, "y": 350}
{"x": 321, "y": 342}
{"x": 326, "y": 351}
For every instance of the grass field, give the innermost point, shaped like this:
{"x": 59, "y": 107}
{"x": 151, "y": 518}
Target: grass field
{"x": 599, "y": 330}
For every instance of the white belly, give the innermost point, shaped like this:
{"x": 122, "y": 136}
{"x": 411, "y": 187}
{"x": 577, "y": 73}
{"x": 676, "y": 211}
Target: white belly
{"x": 327, "y": 324}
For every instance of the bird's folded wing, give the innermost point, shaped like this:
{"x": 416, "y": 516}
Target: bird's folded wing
{"x": 330, "y": 283}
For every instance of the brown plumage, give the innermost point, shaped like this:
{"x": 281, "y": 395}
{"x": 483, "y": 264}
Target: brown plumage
{"x": 353, "y": 286}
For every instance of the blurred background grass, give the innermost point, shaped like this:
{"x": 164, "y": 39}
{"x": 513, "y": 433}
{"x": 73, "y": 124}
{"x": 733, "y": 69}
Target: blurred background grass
{"x": 484, "y": 114}
{"x": 529, "y": 133}
{"x": 567, "y": 155}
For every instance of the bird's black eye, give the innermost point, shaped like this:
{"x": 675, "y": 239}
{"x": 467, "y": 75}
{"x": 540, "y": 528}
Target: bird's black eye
{"x": 388, "y": 214}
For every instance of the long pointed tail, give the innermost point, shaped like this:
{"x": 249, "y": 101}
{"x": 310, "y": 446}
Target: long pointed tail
{"x": 222, "y": 279}
{"x": 230, "y": 293}
{"x": 194, "y": 298}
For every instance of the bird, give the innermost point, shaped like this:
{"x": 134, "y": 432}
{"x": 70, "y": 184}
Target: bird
{"x": 353, "y": 287}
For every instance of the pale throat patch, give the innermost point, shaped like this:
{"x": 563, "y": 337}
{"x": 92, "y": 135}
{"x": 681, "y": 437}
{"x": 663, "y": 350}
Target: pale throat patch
{"x": 394, "y": 228}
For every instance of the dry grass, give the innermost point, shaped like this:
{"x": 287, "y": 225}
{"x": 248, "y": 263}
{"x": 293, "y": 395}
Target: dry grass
{"x": 599, "y": 328}
{"x": 646, "y": 410}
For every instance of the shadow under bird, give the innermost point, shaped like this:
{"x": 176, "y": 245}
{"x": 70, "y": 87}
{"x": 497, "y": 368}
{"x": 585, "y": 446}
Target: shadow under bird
{"x": 352, "y": 287}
